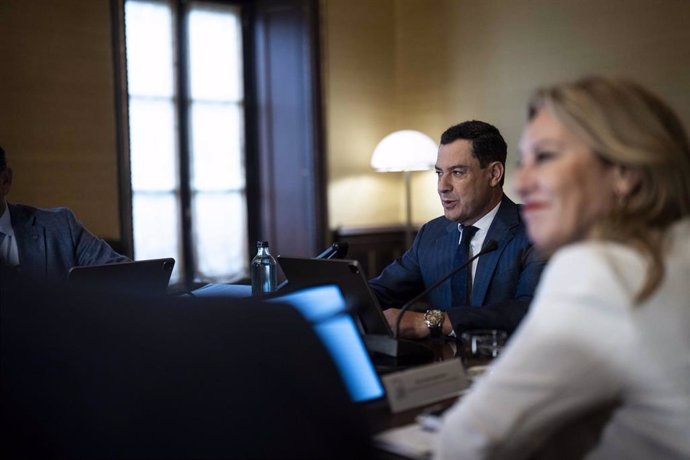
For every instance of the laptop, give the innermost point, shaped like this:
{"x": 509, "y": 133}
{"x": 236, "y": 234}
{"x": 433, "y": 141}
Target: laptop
{"x": 325, "y": 308}
{"x": 149, "y": 277}
{"x": 349, "y": 277}
{"x": 390, "y": 353}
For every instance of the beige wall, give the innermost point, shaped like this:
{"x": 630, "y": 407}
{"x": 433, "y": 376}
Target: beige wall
{"x": 388, "y": 65}
{"x": 426, "y": 64}
{"x": 360, "y": 99}
{"x": 57, "y": 116}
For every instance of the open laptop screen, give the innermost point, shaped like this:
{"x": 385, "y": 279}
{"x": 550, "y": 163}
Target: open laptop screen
{"x": 325, "y": 308}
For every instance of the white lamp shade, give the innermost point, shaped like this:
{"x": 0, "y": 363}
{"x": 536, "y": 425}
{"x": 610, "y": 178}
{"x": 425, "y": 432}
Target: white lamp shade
{"x": 405, "y": 150}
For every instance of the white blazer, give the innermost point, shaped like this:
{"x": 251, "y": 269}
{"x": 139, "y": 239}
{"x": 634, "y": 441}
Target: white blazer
{"x": 584, "y": 347}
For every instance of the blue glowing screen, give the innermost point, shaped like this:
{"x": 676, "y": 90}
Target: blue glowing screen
{"x": 324, "y": 307}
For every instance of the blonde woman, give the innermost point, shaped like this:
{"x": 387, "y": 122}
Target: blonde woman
{"x": 601, "y": 366}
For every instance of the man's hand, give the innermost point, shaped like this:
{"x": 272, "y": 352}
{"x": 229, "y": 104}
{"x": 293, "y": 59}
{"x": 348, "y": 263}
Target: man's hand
{"x": 412, "y": 325}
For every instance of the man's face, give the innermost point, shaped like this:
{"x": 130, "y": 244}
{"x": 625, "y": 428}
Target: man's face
{"x": 5, "y": 184}
{"x": 466, "y": 190}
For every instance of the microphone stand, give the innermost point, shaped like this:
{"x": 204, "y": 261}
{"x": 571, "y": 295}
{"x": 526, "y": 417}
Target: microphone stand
{"x": 402, "y": 350}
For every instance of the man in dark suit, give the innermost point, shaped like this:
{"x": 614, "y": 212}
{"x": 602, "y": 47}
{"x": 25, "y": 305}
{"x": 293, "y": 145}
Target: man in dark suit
{"x": 495, "y": 291}
{"x": 45, "y": 243}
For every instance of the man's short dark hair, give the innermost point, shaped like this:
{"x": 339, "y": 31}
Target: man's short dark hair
{"x": 487, "y": 143}
{"x": 3, "y": 160}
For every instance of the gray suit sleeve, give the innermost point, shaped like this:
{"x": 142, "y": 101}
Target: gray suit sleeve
{"x": 88, "y": 248}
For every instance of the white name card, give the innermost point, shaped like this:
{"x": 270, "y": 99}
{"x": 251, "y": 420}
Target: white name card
{"x": 424, "y": 385}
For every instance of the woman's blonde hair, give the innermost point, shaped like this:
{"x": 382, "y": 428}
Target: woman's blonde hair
{"x": 627, "y": 126}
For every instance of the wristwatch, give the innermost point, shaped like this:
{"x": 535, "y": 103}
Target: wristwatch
{"x": 434, "y": 321}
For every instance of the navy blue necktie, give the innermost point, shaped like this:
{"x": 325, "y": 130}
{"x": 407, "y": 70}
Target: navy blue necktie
{"x": 462, "y": 281}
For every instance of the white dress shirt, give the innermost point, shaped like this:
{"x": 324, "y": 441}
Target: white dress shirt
{"x": 585, "y": 345}
{"x": 9, "y": 252}
{"x": 477, "y": 241}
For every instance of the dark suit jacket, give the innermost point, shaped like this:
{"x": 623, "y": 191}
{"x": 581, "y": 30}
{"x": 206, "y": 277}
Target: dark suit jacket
{"x": 51, "y": 241}
{"x": 504, "y": 282}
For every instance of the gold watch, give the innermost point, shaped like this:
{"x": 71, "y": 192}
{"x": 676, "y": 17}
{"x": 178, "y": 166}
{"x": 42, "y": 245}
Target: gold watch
{"x": 434, "y": 321}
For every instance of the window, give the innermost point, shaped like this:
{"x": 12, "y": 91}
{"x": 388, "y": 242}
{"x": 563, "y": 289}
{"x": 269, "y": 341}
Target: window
{"x": 186, "y": 132}
{"x": 218, "y": 105}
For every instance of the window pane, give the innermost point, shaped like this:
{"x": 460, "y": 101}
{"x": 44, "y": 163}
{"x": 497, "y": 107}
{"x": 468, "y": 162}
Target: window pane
{"x": 152, "y": 144}
{"x": 215, "y": 58}
{"x": 156, "y": 228}
{"x": 217, "y": 160}
{"x": 220, "y": 236}
{"x": 216, "y": 135}
{"x": 148, "y": 36}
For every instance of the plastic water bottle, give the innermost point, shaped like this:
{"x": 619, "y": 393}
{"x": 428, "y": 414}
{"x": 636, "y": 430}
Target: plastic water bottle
{"x": 263, "y": 270}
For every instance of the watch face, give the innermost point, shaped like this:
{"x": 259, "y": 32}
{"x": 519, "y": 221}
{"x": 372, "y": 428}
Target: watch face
{"x": 434, "y": 318}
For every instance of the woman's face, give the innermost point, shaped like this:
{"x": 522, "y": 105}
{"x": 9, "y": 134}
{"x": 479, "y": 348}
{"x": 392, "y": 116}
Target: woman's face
{"x": 565, "y": 188}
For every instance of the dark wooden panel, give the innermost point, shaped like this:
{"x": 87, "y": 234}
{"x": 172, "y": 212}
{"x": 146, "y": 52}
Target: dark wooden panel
{"x": 373, "y": 247}
{"x": 290, "y": 159}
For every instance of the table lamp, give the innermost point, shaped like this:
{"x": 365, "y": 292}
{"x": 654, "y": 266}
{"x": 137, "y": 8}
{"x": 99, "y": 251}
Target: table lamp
{"x": 405, "y": 151}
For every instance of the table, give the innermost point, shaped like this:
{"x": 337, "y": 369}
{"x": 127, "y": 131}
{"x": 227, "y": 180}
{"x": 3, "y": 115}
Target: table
{"x": 378, "y": 412}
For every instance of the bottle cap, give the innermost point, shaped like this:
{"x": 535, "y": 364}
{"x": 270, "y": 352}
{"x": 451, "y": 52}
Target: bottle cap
{"x": 262, "y": 244}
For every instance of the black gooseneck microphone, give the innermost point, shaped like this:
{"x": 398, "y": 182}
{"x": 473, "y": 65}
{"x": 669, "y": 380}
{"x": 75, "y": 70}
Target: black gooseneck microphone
{"x": 337, "y": 250}
{"x": 489, "y": 246}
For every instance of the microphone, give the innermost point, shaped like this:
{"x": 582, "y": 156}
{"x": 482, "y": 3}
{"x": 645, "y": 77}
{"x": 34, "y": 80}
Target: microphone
{"x": 489, "y": 246}
{"x": 337, "y": 250}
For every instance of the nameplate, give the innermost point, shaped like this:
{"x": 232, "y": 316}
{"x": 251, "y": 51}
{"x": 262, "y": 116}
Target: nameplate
{"x": 424, "y": 385}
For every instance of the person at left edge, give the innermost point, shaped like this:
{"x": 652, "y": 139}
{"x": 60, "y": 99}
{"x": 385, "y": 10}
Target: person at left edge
{"x": 45, "y": 243}
{"x": 470, "y": 167}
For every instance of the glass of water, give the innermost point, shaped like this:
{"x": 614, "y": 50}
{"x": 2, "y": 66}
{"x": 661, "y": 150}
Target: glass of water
{"x": 484, "y": 343}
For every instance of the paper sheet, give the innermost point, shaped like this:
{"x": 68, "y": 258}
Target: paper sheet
{"x": 410, "y": 441}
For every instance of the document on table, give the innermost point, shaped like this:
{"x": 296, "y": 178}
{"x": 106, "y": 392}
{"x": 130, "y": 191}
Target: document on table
{"x": 412, "y": 441}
